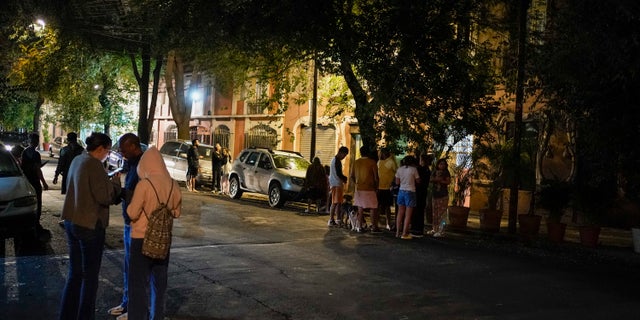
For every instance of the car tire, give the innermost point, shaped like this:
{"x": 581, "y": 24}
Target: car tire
{"x": 276, "y": 197}
{"x": 235, "y": 191}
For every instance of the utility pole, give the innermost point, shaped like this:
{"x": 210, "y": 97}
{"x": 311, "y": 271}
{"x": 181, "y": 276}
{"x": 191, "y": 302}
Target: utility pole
{"x": 313, "y": 111}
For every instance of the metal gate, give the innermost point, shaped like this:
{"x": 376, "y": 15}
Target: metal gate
{"x": 261, "y": 136}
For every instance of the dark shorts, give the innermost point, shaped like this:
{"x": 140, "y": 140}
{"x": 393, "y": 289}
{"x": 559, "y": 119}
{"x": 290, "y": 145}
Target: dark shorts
{"x": 385, "y": 198}
{"x": 192, "y": 171}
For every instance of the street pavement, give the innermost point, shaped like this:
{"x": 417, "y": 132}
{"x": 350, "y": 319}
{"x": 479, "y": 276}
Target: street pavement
{"x": 240, "y": 259}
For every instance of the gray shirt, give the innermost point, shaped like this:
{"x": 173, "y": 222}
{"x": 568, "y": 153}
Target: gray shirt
{"x": 90, "y": 192}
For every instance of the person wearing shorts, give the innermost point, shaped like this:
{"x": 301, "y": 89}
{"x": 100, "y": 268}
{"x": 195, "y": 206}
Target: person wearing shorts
{"x": 365, "y": 176}
{"x": 193, "y": 161}
{"x": 387, "y": 167}
{"x": 337, "y": 179}
{"x": 406, "y": 177}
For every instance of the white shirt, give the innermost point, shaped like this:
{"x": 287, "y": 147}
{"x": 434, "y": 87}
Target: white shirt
{"x": 408, "y": 176}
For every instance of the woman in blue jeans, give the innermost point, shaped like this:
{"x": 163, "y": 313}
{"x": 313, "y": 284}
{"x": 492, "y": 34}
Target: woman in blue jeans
{"x": 85, "y": 211}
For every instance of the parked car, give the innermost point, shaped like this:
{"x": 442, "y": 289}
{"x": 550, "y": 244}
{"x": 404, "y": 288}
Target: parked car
{"x": 115, "y": 159}
{"x": 58, "y": 143}
{"x": 174, "y": 154}
{"x": 277, "y": 173}
{"x": 11, "y": 139}
{"x": 18, "y": 203}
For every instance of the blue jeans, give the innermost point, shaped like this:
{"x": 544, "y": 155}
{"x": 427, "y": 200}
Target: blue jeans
{"x": 146, "y": 274}
{"x": 85, "y": 256}
{"x": 125, "y": 269}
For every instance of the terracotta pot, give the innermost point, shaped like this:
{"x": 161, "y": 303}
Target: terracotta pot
{"x": 458, "y": 216}
{"x": 556, "y": 231}
{"x": 589, "y": 235}
{"x": 529, "y": 225}
{"x": 490, "y": 220}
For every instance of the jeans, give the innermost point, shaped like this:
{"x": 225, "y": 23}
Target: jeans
{"x": 146, "y": 274}
{"x": 125, "y": 269}
{"x": 85, "y": 256}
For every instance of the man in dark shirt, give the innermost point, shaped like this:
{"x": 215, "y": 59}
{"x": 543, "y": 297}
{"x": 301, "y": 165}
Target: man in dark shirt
{"x": 67, "y": 153}
{"x": 193, "y": 163}
{"x": 216, "y": 166}
{"x": 31, "y": 163}
{"x": 129, "y": 145}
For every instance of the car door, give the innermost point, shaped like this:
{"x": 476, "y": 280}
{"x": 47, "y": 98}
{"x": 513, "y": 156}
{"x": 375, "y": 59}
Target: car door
{"x": 169, "y": 153}
{"x": 249, "y": 170}
{"x": 181, "y": 165}
{"x": 262, "y": 173}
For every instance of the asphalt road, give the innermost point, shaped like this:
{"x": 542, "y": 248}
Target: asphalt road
{"x": 240, "y": 259}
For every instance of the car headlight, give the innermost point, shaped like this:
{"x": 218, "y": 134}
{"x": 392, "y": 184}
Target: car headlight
{"x": 25, "y": 201}
{"x": 298, "y": 181}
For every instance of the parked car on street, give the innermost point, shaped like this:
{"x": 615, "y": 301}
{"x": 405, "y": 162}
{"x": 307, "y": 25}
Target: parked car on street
{"x": 277, "y": 173}
{"x": 11, "y": 139}
{"x": 115, "y": 159}
{"x": 174, "y": 154}
{"x": 58, "y": 143}
{"x": 18, "y": 203}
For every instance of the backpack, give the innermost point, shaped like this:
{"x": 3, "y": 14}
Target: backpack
{"x": 157, "y": 237}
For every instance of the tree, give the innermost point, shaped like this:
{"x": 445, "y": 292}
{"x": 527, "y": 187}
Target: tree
{"x": 589, "y": 71}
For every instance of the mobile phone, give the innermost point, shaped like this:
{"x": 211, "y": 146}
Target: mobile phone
{"x": 114, "y": 172}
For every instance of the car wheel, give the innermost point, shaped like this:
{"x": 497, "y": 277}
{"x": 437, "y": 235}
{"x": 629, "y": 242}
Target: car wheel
{"x": 234, "y": 188}
{"x": 276, "y": 198}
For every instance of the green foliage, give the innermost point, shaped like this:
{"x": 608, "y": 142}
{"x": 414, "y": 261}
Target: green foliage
{"x": 588, "y": 69}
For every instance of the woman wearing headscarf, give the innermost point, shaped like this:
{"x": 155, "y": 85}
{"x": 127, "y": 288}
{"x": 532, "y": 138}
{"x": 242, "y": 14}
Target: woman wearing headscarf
{"x": 85, "y": 211}
{"x": 143, "y": 271}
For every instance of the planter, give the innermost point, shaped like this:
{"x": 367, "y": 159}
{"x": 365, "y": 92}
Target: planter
{"x": 490, "y": 220}
{"x": 589, "y": 235}
{"x": 458, "y": 216}
{"x": 45, "y": 146}
{"x": 524, "y": 200}
{"x": 556, "y": 231}
{"x": 529, "y": 225}
{"x": 635, "y": 234}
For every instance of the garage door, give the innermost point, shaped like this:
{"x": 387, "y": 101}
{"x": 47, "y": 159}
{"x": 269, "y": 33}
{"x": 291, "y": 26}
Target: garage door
{"x": 325, "y": 143}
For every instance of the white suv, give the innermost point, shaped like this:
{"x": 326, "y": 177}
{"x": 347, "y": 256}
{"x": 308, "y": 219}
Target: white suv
{"x": 276, "y": 173}
{"x": 174, "y": 154}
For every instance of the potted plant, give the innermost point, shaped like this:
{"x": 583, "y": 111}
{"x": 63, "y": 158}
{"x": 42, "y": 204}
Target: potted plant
{"x": 489, "y": 158}
{"x": 554, "y": 197}
{"x": 45, "y": 139}
{"x": 462, "y": 178}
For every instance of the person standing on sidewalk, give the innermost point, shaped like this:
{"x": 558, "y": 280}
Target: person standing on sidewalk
{"x": 216, "y": 168}
{"x": 31, "y": 164}
{"x": 337, "y": 179}
{"x": 131, "y": 150}
{"x": 67, "y": 154}
{"x": 315, "y": 184}
{"x": 422, "y": 187}
{"x": 147, "y": 276}
{"x": 193, "y": 163}
{"x": 365, "y": 176}
{"x": 406, "y": 177}
{"x": 440, "y": 178}
{"x": 85, "y": 211}
{"x": 387, "y": 167}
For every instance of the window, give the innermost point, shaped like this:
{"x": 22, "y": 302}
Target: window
{"x": 253, "y": 157}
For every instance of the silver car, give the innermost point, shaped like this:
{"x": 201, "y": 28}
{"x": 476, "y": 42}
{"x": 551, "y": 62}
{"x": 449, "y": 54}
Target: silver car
{"x": 276, "y": 173}
{"x": 174, "y": 154}
{"x": 18, "y": 203}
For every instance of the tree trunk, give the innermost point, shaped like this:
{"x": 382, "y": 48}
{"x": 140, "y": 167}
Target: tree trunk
{"x": 174, "y": 78}
{"x": 154, "y": 95}
{"x": 363, "y": 111}
{"x": 143, "y": 87}
{"x": 36, "y": 114}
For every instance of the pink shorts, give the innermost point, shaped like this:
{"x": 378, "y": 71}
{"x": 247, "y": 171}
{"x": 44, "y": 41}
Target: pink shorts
{"x": 365, "y": 199}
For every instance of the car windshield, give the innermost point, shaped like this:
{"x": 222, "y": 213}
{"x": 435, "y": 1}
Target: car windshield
{"x": 8, "y": 166}
{"x": 290, "y": 163}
